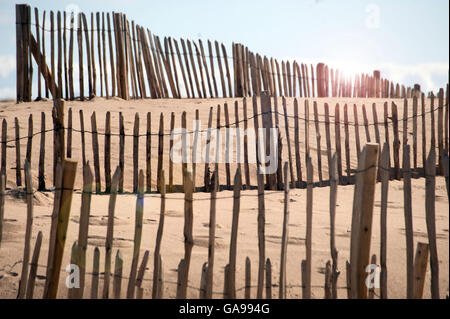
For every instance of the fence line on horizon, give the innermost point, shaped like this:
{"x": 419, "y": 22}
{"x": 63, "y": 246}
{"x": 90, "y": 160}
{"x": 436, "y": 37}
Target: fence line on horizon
{"x": 134, "y": 63}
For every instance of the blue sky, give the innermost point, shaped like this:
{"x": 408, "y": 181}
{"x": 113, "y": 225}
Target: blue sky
{"x": 408, "y": 40}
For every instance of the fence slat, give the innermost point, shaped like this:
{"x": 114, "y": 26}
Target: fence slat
{"x": 4, "y": 138}
{"x": 357, "y": 139}
{"x": 108, "y": 152}
{"x": 28, "y": 232}
{"x": 212, "y": 237}
{"x": 268, "y": 279}
{"x": 225, "y": 58}
{"x": 159, "y": 234}
{"x": 95, "y": 273}
{"x": 299, "y": 181}
{"x": 285, "y": 234}
{"x": 430, "y": 200}
{"x": 110, "y": 232}
{"x": 396, "y": 146}
{"x": 96, "y": 155}
{"x": 84, "y": 225}
{"x": 234, "y": 234}
{"x": 2, "y": 203}
{"x": 414, "y": 131}
{"x": 362, "y": 219}
{"x": 18, "y": 160}
{"x": 117, "y": 282}
{"x": 333, "y": 203}
{"x": 420, "y": 269}
{"x": 141, "y": 273}
{"x": 188, "y": 239}
{"x": 34, "y": 266}
{"x": 309, "y": 215}
{"x": 261, "y": 235}
{"x": 227, "y": 145}
{"x": 136, "y": 153}
{"x": 337, "y": 130}
{"x": 160, "y": 151}
{"x": 68, "y": 180}
{"x": 121, "y": 151}
{"x": 385, "y": 176}
{"x": 328, "y": 137}
{"x": 440, "y": 128}
{"x": 148, "y": 153}
{"x": 137, "y": 235}
{"x": 407, "y": 204}
{"x": 288, "y": 142}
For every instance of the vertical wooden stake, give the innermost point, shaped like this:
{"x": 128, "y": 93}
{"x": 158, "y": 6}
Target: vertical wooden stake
{"x": 248, "y": 278}
{"x": 362, "y": 219}
{"x": 33, "y": 266}
{"x": 420, "y": 269}
{"x": 385, "y": 176}
{"x": 18, "y": 160}
{"x": 108, "y": 152}
{"x": 261, "y": 235}
{"x": 430, "y": 200}
{"x": 98, "y": 183}
{"x": 136, "y": 153}
{"x": 407, "y": 204}
{"x": 268, "y": 279}
{"x": 212, "y": 237}
{"x": 117, "y": 283}
{"x": 160, "y": 151}
{"x": 285, "y": 235}
{"x": 159, "y": 235}
{"x": 95, "y": 274}
{"x": 149, "y": 152}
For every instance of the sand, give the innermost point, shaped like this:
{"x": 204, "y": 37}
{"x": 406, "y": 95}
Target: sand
{"x": 172, "y": 251}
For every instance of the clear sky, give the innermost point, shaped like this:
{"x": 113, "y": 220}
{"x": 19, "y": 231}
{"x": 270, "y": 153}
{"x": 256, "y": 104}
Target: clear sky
{"x": 408, "y": 40}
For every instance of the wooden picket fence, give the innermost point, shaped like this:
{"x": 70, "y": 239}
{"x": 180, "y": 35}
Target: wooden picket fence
{"x": 119, "y": 58}
{"x": 370, "y": 164}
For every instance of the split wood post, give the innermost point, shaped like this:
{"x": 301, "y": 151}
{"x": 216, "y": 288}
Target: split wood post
{"x": 195, "y": 147}
{"x": 160, "y": 291}
{"x": 74, "y": 260}
{"x": 420, "y": 269}
{"x": 318, "y": 139}
{"x": 121, "y": 151}
{"x": 385, "y": 176}
{"x": 357, "y": 140}
{"x": 299, "y": 181}
{"x": 111, "y": 56}
{"x": 239, "y": 146}
{"x": 69, "y": 134}
{"x": 136, "y": 153}
{"x": 84, "y": 226}
{"x": 148, "y": 153}
{"x": 268, "y": 279}
{"x": 58, "y": 133}
{"x": 407, "y": 204}
{"x": 160, "y": 151}
{"x": 105, "y": 69}
{"x": 309, "y": 215}
{"x": 18, "y": 160}
{"x": 266, "y": 110}
{"x": 110, "y": 232}
{"x": 225, "y": 58}
{"x": 34, "y": 266}
{"x": 261, "y": 235}
{"x": 405, "y": 126}
{"x": 68, "y": 181}
{"x": 184, "y": 148}
{"x": 430, "y": 202}
{"x": 396, "y": 145}
{"x": 88, "y": 55}
{"x": 440, "y": 128}
{"x": 28, "y": 232}
{"x": 446, "y": 172}
{"x": 227, "y": 146}
{"x": 141, "y": 273}
{"x": 219, "y": 140}
{"x": 203, "y": 281}
{"x": 108, "y": 152}
{"x": 94, "y": 71}
{"x": 2, "y": 203}
{"x": 424, "y": 134}
{"x": 246, "y": 167}
{"x": 117, "y": 282}
{"x": 288, "y": 142}
{"x": 95, "y": 274}
{"x": 377, "y": 132}
{"x": 285, "y": 235}
{"x": 54, "y": 225}
{"x": 83, "y": 142}
{"x": 366, "y": 124}
{"x": 212, "y": 237}
{"x": 348, "y": 271}
{"x": 30, "y": 139}
{"x": 4, "y": 140}
{"x": 137, "y": 235}
{"x": 248, "y": 278}
{"x": 328, "y": 137}
{"x": 337, "y": 130}
{"x": 347, "y": 145}
{"x": 188, "y": 226}
{"x": 333, "y": 203}
{"x": 414, "y": 131}
{"x": 362, "y": 219}
{"x": 206, "y": 175}
{"x": 80, "y": 55}
{"x": 386, "y": 134}
{"x": 96, "y": 155}
{"x": 327, "y": 280}
{"x": 234, "y": 234}
{"x": 159, "y": 234}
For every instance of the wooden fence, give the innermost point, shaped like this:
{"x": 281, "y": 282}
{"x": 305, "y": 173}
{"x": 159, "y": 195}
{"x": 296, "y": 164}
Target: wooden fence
{"x": 370, "y": 165}
{"x": 422, "y": 125}
{"x": 119, "y": 58}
